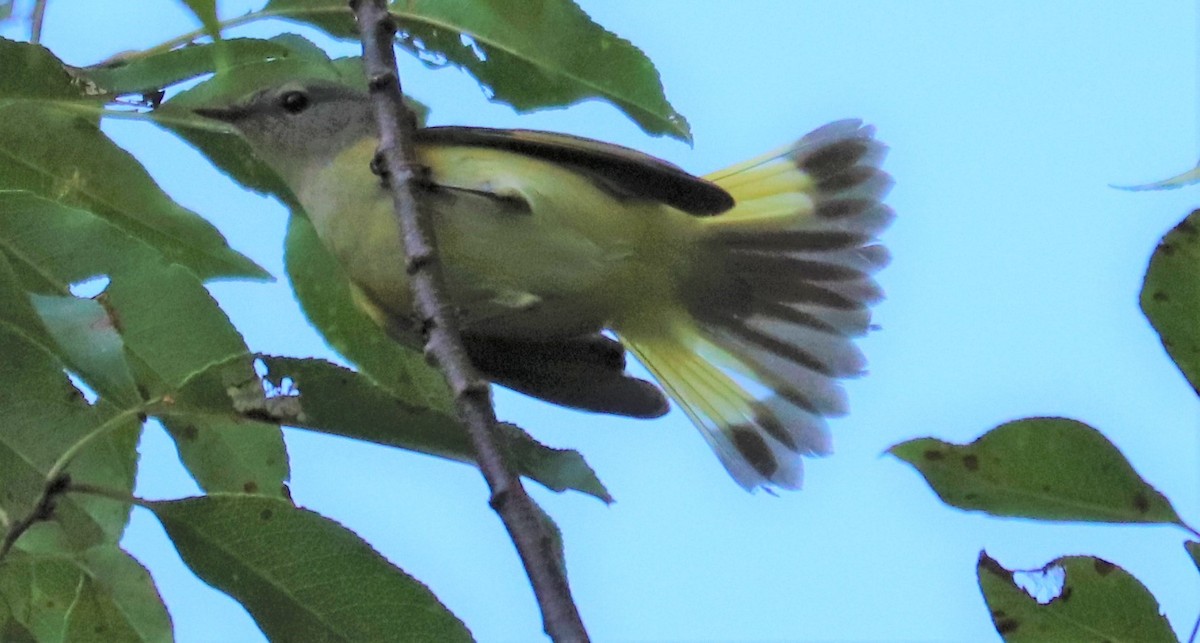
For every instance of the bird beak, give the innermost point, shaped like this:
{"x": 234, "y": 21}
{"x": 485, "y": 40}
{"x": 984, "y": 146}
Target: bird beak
{"x": 230, "y": 114}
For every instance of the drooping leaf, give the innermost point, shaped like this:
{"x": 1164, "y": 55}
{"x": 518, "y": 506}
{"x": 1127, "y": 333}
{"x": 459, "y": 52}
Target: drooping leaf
{"x": 79, "y": 166}
{"x": 100, "y": 594}
{"x": 1190, "y": 177}
{"x": 1171, "y": 296}
{"x": 1098, "y": 601}
{"x": 1042, "y": 468}
{"x": 531, "y": 54}
{"x": 43, "y": 416}
{"x": 336, "y": 400}
{"x": 301, "y": 576}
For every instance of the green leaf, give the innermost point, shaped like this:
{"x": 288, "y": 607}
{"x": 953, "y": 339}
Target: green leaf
{"x": 16, "y": 310}
{"x": 39, "y": 592}
{"x": 1098, "y": 602}
{"x": 327, "y": 298}
{"x": 301, "y": 576}
{"x": 101, "y": 594}
{"x": 6, "y": 9}
{"x": 88, "y": 339}
{"x": 531, "y": 55}
{"x": 12, "y": 630}
{"x": 78, "y": 166}
{"x": 335, "y": 400}
{"x": 44, "y": 415}
{"x": 206, "y": 11}
{"x": 172, "y": 323}
{"x": 1193, "y": 550}
{"x": 1043, "y": 468}
{"x": 224, "y": 449}
{"x": 231, "y": 455}
{"x": 163, "y": 69}
{"x": 1171, "y": 296}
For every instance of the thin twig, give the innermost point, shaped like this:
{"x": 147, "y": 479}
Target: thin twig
{"x": 36, "y": 18}
{"x": 43, "y": 510}
{"x": 58, "y": 480}
{"x": 404, "y": 174}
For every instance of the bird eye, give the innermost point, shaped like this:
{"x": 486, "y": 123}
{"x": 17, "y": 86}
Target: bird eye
{"x": 294, "y": 102}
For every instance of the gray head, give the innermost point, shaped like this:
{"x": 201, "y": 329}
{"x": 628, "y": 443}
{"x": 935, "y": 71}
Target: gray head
{"x": 299, "y": 124}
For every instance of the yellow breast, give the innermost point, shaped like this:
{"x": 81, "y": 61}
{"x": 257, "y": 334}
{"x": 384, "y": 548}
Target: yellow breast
{"x": 576, "y": 260}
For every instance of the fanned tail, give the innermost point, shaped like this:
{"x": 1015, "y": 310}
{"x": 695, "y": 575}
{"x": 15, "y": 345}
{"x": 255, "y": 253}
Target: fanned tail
{"x": 766, "y": 328}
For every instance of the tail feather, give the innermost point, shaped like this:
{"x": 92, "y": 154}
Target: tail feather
{"x": 768, "y": 326}
{"x": 755, "y": 440}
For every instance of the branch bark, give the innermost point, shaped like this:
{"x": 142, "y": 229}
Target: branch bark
{"x": 397, "y": 157}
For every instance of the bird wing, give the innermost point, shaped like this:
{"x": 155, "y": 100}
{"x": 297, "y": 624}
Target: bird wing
{"x": 626, "y": 173}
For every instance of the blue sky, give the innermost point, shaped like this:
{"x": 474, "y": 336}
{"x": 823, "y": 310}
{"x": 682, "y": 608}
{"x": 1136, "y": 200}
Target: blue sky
{"x": 1012, "y": 293}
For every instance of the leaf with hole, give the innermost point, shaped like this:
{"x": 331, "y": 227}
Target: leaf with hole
{"x": 335, "y": 400}
{"x": 1098, "y": 601}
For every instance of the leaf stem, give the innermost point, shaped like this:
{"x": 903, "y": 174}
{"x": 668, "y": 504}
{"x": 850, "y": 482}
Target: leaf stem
{"x": 105, "y": 492}
{"x": 60, "y": 465}
{"x": 404, "y": 176}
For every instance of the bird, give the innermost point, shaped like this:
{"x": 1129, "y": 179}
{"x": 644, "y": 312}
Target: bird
{"x": 741, "y": 292}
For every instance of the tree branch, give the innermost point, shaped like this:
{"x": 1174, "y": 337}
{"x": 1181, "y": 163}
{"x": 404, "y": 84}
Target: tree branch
{"x": 397, "y": 157}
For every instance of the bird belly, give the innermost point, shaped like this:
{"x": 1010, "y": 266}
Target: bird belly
{"x": 528, "y": 249}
